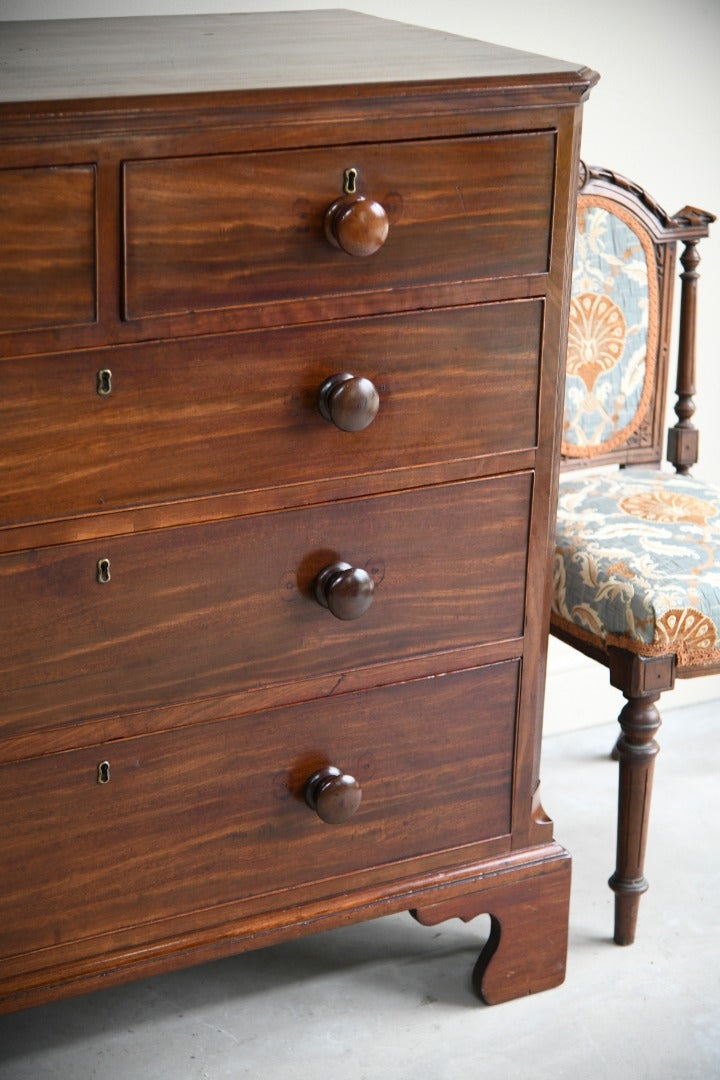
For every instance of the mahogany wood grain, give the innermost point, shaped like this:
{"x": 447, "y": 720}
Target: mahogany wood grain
{"x": 244, "y": 702}
{"x": 218, "y": 137}
{"x": 210, "y": 415}
{"x": 47, "y": 247}
{"x": 224, "y": 231}
{"x": 195, "y": 823}
{"x": 540, "y": 569}
{"x": 96, "y": 526}
{"x": 209, "y": 609}
{"x": 527, "y": 948}
{"x": 116, "y": 958}
{"x": 86, "y": 59}
{"x": 168, "y": 681}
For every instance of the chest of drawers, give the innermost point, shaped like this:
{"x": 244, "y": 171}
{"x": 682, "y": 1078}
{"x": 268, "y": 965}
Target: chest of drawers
{"x": 282, "y": 307}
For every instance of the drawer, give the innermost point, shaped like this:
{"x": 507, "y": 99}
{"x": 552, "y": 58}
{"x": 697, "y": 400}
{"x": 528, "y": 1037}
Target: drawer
{"x": 239, "y": 412}
{"x": 219, "y": 607}
{"x": 47, "y": 247}
{"x": 229, "y": 230}
{"x": 205, "y": 816}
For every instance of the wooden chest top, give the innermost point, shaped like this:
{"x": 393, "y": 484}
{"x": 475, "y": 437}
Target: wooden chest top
{"x": 99, "y": 59}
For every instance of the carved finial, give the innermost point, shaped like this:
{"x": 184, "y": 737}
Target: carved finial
{"x": 690, "y": 215}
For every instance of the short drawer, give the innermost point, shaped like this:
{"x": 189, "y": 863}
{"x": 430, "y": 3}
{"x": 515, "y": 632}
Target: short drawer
{"x": 47, "y": 247}
{"x": 104, "y": 429}
{"x": 204, "y": 233}
{"x": 129, "y": 622}
{"x": 207, "y": 816}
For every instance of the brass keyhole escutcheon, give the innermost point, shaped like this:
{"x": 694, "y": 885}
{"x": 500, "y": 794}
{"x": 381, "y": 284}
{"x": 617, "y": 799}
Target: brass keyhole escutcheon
{"x": 350, "y": 181}
{"x": 103, "y": 571}
{"x": 104, "y": 382}
{"x": 103, "y": 772}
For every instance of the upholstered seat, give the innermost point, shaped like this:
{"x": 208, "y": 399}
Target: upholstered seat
{"x": 636, "y": 581}
{"x": 637, "y": 563}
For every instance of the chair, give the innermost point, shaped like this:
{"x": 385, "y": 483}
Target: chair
{"x": 637, "y": 560}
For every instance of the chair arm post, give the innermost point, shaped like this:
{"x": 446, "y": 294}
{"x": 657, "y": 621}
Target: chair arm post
{"x": 692, "y": 225}
{"x": 683, "y": 437}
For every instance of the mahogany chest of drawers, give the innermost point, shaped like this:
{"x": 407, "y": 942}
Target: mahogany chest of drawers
{"x": 282, "y": 308}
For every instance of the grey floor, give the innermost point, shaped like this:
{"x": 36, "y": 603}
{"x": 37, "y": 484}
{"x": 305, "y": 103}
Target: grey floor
{"x": 391, "y": 999}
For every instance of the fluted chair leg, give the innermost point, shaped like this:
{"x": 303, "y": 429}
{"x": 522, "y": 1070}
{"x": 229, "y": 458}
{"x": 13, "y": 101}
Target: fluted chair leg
{"x": 636, "y": 752}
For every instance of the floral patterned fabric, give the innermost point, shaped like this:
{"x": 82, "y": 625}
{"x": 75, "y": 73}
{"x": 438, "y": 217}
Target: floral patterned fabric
{"x": 637, "y": 563}
{"x": 613, "y": 330}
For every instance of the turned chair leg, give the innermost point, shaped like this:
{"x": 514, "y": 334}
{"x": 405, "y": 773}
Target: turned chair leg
{"x": 636, "y": 750}
{"x": 641, "y": 680}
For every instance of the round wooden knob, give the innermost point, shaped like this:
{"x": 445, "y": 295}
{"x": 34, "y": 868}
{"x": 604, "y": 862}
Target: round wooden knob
{"x": 346, "y": 590}
{"x": 350, "y": 402}
{"x": 356, "y": 224}
{"x": 334, "y": 795}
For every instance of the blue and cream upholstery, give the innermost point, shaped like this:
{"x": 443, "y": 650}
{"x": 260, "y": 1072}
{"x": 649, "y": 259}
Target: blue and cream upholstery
{"x": 637, "y": 559}
{"x": 613, "y": 330}
{"x": 637, "y": 563}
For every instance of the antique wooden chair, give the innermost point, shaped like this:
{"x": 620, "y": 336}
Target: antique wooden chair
{"x": 637, "y": 560}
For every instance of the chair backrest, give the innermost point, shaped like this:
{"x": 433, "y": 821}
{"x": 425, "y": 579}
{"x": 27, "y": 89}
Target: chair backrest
{"x": 620, "y": 320}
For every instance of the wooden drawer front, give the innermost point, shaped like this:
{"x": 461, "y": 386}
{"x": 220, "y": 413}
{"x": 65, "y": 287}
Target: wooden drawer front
{"x": 209, "y": 815}
{"x": 216, "y": 232}
{"x": 215, "y": 608}
{"x": 240, "y": 412}
{"x": 47, "y": 247}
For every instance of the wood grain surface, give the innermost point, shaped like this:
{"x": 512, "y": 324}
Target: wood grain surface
{"x": 168, "y": 679}
{"x": 227, "y": 231}
{"x": 209, "y": 609}
{"x": 239, "y": 412}
{"x": 194, "y": 822}
{"x": 103, "y": 58}
{"x": 47, "y": 247}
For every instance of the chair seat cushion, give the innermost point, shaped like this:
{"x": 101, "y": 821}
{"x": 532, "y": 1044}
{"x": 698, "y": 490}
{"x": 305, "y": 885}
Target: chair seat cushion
{"x": 637, "y": 563}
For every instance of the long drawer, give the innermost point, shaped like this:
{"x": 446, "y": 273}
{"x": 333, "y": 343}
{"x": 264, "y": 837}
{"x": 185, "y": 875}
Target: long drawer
{"x": 230, "y": 230}
{"x": 109, "y": 428}
{"x": 121, "y": 834}
{"x": 133, "y": 621}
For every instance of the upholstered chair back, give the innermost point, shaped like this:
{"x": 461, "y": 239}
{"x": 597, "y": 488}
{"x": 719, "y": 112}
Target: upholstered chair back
{"x": 619, "y": 326}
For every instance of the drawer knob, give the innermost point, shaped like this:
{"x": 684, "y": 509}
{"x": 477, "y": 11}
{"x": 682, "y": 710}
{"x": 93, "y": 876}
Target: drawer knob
{"x": 350, "y": 402}
{"x": 334, "y": 795}
{"x": 346, "y": 590}
{"x": 357, "y": 225}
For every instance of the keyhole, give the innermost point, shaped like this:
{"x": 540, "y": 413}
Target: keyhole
{"x": 104, "y": 382}
{"x": 103, "y": 571}
{"x": 103, "y": 772}
{"x": 350, "y": 181}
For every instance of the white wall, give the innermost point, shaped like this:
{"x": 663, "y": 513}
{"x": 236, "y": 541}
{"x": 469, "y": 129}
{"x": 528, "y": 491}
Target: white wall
{"x": 654, "y": 116}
